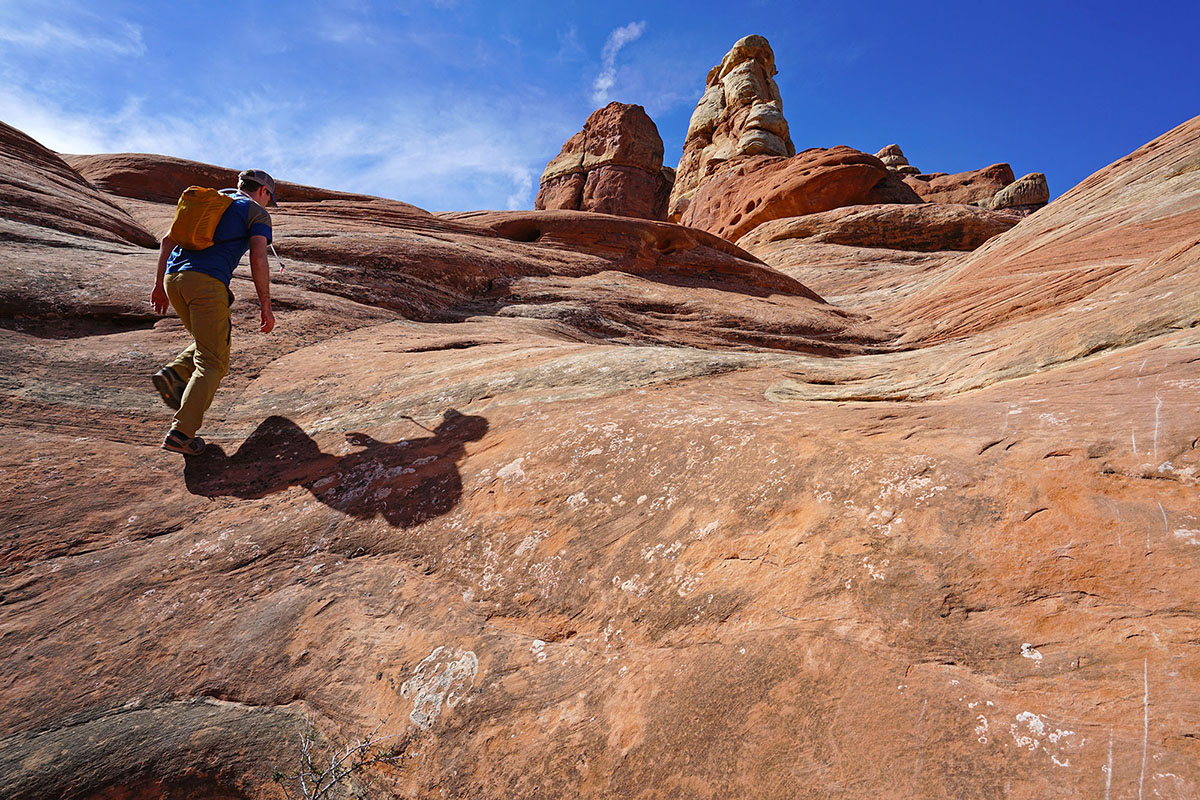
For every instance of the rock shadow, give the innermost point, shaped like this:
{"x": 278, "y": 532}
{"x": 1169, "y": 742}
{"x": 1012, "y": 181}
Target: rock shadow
{"x": 407, "y": 482}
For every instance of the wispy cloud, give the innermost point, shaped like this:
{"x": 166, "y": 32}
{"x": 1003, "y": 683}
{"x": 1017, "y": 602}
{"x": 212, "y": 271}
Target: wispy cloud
{"x": 568, "y": 44}
{"x": 608, "y": 56}
{"x": 441, "y": 157}
{"x": 127, "y": 40}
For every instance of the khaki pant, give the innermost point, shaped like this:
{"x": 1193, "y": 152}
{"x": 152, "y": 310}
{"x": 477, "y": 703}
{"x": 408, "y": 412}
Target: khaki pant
{"x": 202, "y": 303}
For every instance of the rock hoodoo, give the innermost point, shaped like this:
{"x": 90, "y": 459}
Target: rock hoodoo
{"x": 1023, "y": 196}
{"x": 740, "y": 114}
{"x": 612, "y": 166}
{"x": 893, "y": 158}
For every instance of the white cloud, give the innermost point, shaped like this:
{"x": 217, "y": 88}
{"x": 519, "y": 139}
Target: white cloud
{"x": 341, "y": 31}
{"x": 608, "y": 56}
{"x": 127, "y": 41}
{"x": 568, "y": 44}
{"x": 435, "y": 155}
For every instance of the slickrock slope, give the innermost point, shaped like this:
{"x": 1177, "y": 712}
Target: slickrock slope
{"x": 161, "y": 179}
{"x": 675, "y": 548}
{"x": 612, "y": 166}
{"x": 740, "y": 115}
{"x": 39, "y": 188}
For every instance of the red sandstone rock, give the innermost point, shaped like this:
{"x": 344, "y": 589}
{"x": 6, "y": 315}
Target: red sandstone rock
{"x": 162, "y": 178}
{"x": 740, "y": 115}
{"x": 923, "y": 227}
{"x": 974, "y": 188}
{"x": 757, "y": 190}
{"x": 864, "y": 278}
{"x": 562, "y": 552}
{"x": 37, "y": 187}
{"x": 612, "y": 166}
{"x": 1135, "y": 220}
{"x": 1111, "y": 265}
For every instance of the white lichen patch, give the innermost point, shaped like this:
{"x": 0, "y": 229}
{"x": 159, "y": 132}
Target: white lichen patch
{"x": 512, "y": 471}
{"x": 538, "y": 650}
{"x": 490, "y": 576}
{"x": 911, "y": 480}
{"x": 1034, "y": 727}
{"x": 442, "y": 678}
{"x": 1031, "y": 732}
{"x": 546, "y": 575}
{"x": 876, "y": 572}
{"x": 1028, "y": 651}
{"x": 667, "y": 551}
{"x": 981, "y": 730}
{"x": 530, "y": 542}
{"x": 633, "y": 586}
{"x": 685, "y": 581}
{"x": 1188, "y": 535}
{"x": 577, "y": 500}
{"x": 884, "y": 520}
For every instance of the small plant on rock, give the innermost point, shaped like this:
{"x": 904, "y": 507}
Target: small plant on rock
{"x": 316, "y": 779}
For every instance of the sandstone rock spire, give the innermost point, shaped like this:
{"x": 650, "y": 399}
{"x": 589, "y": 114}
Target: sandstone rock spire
{"x": 740, "y": 114}
{"x": 613, "y": 166}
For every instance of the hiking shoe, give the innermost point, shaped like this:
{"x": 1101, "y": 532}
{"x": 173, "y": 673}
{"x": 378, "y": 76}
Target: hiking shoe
{"x": 170, "y": 386}
{"x": 178, "y": 442}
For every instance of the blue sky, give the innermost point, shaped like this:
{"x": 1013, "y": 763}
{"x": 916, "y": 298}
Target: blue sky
{"x": 458, "y": 104}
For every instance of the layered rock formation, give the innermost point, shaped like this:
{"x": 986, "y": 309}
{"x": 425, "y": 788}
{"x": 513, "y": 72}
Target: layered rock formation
{"x": 925, "y": 227}
{"x": 612, "y": 166}
{"x": 38, "y": 188}
{"x": 739, "y": 168}
{"x": 161, "y": 179}
{"x": 759, "y": 189}
{"x": 597, "y": 507}
{"x": 974, "y": 187}
{"x": 740, "y": 114}
{"x": 991, "y": 187}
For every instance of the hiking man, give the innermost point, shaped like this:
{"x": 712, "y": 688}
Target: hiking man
{"x": 196, "y": 285}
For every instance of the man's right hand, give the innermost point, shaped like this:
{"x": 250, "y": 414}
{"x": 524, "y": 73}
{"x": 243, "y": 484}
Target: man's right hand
{"x": 158, "y": 299}
{"x": 268, "y": 320}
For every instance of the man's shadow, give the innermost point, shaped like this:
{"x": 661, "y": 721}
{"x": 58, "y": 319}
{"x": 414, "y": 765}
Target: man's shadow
{"x": 406, "y": 482}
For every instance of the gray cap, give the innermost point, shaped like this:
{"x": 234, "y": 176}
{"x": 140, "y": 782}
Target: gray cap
{"x": 260, "y": 177}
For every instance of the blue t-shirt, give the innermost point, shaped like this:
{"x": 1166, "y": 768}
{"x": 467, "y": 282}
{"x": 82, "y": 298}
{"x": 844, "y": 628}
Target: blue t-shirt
{"x": 244, "y": 218}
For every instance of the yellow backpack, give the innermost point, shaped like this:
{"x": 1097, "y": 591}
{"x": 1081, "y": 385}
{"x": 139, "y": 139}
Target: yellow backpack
{"x": 196, "y": 217}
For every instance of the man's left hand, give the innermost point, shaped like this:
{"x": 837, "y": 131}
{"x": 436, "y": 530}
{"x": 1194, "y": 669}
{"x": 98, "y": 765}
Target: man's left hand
{"x": 268, "y": 321}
